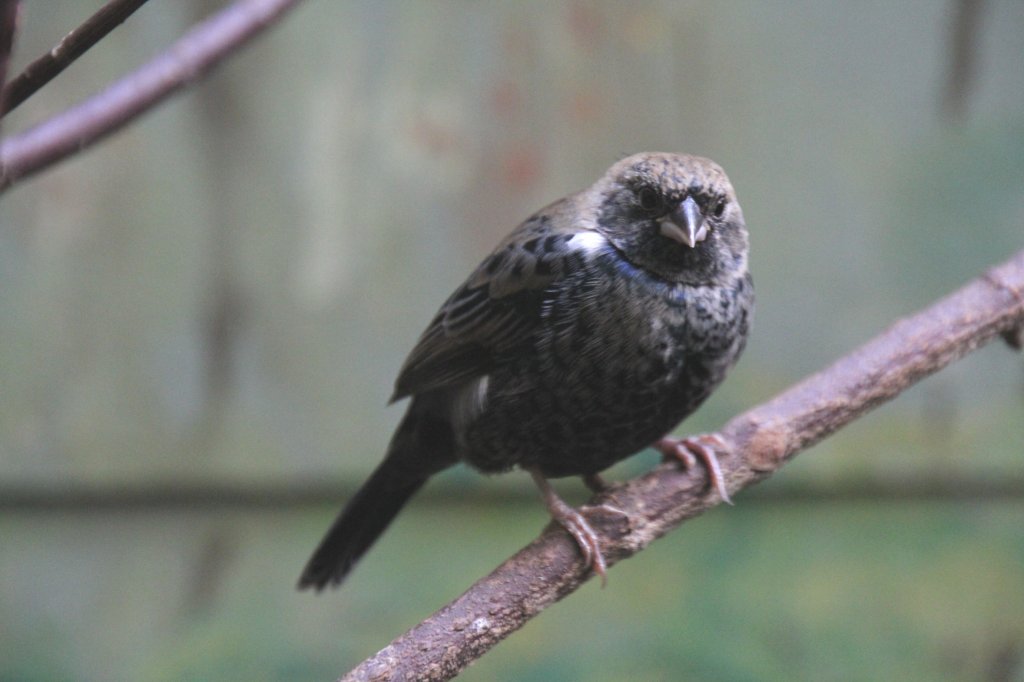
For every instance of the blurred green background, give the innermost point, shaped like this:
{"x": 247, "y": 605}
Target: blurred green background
{"x": 218, "y": 299}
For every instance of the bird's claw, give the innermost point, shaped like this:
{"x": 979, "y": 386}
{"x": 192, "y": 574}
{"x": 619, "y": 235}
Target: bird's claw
{"x": 686, "y": 451}
{"x": 573, "y": 521}
{"x": 587, "y": 540}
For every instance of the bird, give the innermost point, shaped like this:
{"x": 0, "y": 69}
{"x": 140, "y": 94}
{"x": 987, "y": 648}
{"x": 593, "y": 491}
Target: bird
{"x": 588, "y": 334}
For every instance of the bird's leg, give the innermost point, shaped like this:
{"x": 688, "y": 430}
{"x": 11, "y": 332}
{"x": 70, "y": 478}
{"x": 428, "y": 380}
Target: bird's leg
{"x": 595, "y": 483}
{"x": 686, "y": 451}
{"x": 573, "y": 521}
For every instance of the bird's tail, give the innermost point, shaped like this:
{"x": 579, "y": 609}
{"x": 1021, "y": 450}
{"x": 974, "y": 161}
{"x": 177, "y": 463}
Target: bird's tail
{"x": 420, "y": 448}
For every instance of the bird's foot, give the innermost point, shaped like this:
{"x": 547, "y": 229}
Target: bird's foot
{"x": 586, "y": 538}
{"x": 686, "y": 451}
{"x": 577, "y": 525}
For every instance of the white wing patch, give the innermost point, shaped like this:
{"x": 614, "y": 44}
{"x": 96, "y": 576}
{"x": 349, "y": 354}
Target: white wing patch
{"x": 469, "y": 402}
{"x": 588, "y": 241}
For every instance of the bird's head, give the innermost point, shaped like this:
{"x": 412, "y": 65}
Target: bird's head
{"x": 673, "y": 215}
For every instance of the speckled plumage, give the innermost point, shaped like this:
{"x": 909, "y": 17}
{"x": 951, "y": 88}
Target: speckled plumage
{"x": 590, "y": 332}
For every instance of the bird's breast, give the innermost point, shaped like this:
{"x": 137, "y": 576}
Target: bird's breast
{"x": 617, "y": 363}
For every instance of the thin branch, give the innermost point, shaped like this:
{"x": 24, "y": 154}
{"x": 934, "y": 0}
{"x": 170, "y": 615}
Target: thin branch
{"x": 9, "y": 11}
{"x": 71, "y": 47}
{"x": 191, "y": 57}
{"x": 964, "y": 31}
{"x": 762, "y": 440}
{"x": 216, "y": 496}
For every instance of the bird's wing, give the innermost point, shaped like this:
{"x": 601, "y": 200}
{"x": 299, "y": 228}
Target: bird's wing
{"x": 497, "y": 308}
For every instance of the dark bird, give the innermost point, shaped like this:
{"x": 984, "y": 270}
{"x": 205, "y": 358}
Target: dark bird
{"x": 588, "y": 334}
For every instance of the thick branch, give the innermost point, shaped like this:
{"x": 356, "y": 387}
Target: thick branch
{"x": 762, "y": 440}
{"x": 198, "y": 51}
{"x": 71, "y": 47}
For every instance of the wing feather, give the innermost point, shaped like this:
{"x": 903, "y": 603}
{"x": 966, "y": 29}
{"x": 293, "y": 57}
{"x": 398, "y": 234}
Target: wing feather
{"x": 496, "y": 310}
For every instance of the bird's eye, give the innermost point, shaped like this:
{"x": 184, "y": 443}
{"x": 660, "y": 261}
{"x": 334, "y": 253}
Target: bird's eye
{"x": 651, "y": 200}
{"x": 718, "y": 208}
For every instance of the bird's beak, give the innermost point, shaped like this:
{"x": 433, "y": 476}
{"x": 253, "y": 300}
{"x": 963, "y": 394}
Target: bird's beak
{"x": 685, "y": 224}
